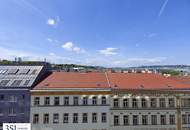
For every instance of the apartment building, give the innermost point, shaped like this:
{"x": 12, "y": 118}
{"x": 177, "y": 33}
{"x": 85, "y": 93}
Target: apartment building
{"x": 71, "y": 101}
{"x": 110, "y": 101}
{"x": 148, "y": 102}
{"x": 15, "y": 84}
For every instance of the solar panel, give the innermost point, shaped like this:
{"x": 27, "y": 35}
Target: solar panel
{"x": 16, "y": 82}
{"x": 4, "y": 82}
{"x": 3, "y": 71}
{"x": 24, "y": 71}
{"x": 12, "y": 71}
{"x": 26, "y": 82}
{"x": 34, "y": 71}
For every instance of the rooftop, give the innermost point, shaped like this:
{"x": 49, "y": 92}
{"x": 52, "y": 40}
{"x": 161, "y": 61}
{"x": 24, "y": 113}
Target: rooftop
{"x": 74, "y": 80}
{"x": 18, "y": 76}
{"x": 110, "y": 80}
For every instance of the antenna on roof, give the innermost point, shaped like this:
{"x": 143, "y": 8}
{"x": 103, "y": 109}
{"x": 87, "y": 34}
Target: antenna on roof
{"x": 169, "y": 86}
{"x": 98, "y": 84}
{"x": 115, "y": 86}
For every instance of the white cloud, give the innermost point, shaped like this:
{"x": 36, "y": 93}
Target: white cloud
{"x": 109, "y": 51}
{"x": 53, "y": 21}
{"x": 69, "y": 46}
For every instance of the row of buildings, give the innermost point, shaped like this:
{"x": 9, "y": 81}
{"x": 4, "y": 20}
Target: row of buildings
{"x": 92, "y": 101}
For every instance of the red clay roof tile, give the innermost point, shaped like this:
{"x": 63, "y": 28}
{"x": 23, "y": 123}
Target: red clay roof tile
{"x": 116, "y": 80}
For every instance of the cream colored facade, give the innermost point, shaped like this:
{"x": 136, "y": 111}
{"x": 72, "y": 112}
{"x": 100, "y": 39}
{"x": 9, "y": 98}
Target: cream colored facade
{"x": 85, "y": 110}
{"x": 121, "y": 110}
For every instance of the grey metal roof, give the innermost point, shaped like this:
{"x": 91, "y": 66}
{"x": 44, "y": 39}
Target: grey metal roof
{"x": 18, "y": 76}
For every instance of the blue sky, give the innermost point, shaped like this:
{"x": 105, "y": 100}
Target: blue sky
{"x": 96, "y": 32}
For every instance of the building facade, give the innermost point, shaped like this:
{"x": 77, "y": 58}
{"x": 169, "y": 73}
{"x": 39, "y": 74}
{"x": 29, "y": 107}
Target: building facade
{"x": 15, "y": 84}
{"x": 109, "y": 101}
{"x": 71, "y": 101}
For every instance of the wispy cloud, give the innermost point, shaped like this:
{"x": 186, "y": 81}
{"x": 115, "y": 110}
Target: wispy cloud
{"x": 109, "y": 51}
{"x": 27, "y": 5}
{"x": 52, "y": 57}
{"x": 50, "y": 40}
{"x": 69, "y": 46}
{"x": 150, "y": 35}
{"x": 163, "y": 8}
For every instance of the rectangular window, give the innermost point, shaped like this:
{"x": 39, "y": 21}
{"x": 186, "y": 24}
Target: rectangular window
{"x": 94, "y": 100}
{"x": 104, "y": 117}
{"x": 189, "y": 119}
{"x": 85, "y": 100}
{"x": 135, "y": 120}
{"x": 66, "y": 101}
{"x": 75, "y": 101}
{"x": 125, "y": 120}
{"x": 162, "y": 103}
{"x": 184, "y": 119}
{"x": 12, "y": 111}
{"x": 144, "y": 119}
{"x": 143, "y": 103}
{"x": 66, "y": 118}
{"x": 153, "y": 102}
{"x": 22, "y": 110}
{"x": 35, "y": 118}
{"x": 171, "y": 102}
{"x": 116, "y": 102}
{"x": 163, "y": 119}
{"x": 134, "y": 103}
{"x": 36, "y": 101}
{"x": 172, "y": 119}
{"x": 46, "y": 101}
{"x": 1, "y": 111}
{"x": 75, "y": 118}
{"x": 94, "y": 117}
{"x": 55, "y": 118}
{"x": 12, "y": 98}
{"x": 154, "y": 119}
{"x": 126, "y": 103}
{"x": 85, "y": 118}
{"x": 2, "y": 97}
{"x": 116, "y": 120}
{"x": 46, "y": 119}
{"x": 104, "y": 100}
{"x": 56, "y": 101}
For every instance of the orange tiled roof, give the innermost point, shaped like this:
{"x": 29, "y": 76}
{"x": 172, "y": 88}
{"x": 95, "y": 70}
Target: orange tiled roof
{"x": 74, "y": 80}
{"x": 183, "y": 79}
{"x": 116, "y": 80}
{"x": 144, "y": 81}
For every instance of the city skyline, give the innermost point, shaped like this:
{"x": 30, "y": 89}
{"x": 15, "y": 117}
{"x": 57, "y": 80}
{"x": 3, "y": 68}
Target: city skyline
{"x": 105, "y": 33}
